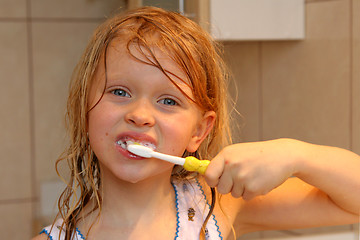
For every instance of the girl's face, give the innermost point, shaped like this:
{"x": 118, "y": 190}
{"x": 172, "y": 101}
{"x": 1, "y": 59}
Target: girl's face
{"x": 140, "y": 104}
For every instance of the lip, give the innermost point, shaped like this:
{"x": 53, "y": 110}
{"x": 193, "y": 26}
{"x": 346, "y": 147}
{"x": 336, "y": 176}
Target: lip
{"x": 137, "y": 137}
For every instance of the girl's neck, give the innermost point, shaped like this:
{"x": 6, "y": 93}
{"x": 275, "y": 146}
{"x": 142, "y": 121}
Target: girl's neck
{"x": 124, "y": 203}
{"x": 149, "y": 192}
{"x": 130, "y": 208}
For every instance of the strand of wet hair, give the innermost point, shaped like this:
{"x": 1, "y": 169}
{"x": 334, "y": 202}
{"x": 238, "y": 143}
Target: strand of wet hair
{"x": 212, "y": 206}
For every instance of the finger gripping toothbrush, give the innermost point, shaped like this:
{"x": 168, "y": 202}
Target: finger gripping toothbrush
{"x": 189, "y": 163}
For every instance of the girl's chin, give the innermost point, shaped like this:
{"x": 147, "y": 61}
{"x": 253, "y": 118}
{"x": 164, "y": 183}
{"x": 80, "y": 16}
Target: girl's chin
{"x": 136, "y": 175}
{"x": 139, "y": 179}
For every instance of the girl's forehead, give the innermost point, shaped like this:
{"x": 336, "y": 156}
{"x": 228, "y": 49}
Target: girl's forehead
{"x": 152, "y": 55}
{"x": 147, "y": 53}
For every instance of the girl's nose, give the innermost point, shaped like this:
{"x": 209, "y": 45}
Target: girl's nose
{"x": 140, "y": 115}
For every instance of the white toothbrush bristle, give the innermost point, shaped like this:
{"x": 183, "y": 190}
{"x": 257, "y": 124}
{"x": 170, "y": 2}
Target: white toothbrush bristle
{"x": 140, "y": 150}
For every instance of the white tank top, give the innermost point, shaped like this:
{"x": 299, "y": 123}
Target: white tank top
{"x": 54, "y": 232}
{"x": 192, "y": 208}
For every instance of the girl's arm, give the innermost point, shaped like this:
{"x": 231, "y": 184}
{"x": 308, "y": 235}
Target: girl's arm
{"x": 335, "y": 171}
{"x": 328, "y": 192}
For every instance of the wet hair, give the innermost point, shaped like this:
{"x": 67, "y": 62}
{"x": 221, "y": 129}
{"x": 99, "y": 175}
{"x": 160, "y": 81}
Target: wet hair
{"x": 195, "y": 53}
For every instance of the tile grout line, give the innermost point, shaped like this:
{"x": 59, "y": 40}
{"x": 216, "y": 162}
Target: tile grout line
{"x": 351, "y": 82}
{"x": 12, "y": 19}
{"x": 260, "y": 93}
{"x": 31, "y": 106}
{"x": 17, "y": 200}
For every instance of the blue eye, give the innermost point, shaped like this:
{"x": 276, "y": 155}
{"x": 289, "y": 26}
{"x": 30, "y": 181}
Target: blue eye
{"x": 168, "y": 101}
{"x": 120, "y": 92}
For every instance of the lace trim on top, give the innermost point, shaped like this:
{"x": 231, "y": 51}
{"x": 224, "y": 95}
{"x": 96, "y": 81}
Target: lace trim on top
{"x": 54, "y": 232}
{"x": 192, "y": 208}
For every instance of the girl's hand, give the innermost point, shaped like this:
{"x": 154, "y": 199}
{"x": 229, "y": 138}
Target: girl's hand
{"x": 251, "y": 169}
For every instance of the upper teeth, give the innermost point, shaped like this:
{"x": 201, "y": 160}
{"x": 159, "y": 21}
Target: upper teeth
{"x": 125, "y": 143}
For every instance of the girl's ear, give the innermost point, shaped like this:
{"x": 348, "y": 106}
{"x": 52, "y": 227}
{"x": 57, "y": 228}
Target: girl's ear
{"x": 202, "y": 130}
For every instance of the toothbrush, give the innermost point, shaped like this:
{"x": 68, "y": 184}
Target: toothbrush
{"x": 189, "y": 163}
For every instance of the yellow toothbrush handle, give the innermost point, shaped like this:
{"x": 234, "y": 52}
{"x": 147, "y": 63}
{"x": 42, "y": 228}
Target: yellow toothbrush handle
{"x": 195, "y": 165}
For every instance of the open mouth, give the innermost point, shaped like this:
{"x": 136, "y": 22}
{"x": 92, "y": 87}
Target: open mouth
{"x": 127, "y": 141}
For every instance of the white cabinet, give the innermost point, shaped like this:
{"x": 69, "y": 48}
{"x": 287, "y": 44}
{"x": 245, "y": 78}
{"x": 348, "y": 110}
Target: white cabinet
{"x": 241, "y": 19}
{"x": 257, "y": 19}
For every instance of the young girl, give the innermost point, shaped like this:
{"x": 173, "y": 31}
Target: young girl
{"x": 155, "y": 77}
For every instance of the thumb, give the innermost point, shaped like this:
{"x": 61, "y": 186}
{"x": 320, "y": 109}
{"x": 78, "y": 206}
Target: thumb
{"x": 215, "y": 170}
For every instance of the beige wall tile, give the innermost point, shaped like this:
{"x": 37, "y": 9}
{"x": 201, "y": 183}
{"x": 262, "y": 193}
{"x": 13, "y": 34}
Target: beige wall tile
{"x": 15, "y": 115}
{"x": 57, "y": 48}
{"x": 75, "y": 9}
{"x": 306, "y": 84}
{"x": 13, "y": 8}
{"x": 15, "y": 223}
{"x": 327, "y": 19}
{"x": 356, "y": 75}
{"x": 356, "y": 229}
{"x": 323, "y": 230}
{"x": 251, "y": 236}
{"x": 243, "y": 61}
{"x": 309, "y": 232}
{"x": 277, "y": 234}
{"x": 331, "y": 236}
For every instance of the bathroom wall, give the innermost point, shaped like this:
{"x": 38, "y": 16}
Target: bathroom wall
{"x": 303, "y": 89}
{"x": 40, "y": 42}
{"x": 308, "y": 90}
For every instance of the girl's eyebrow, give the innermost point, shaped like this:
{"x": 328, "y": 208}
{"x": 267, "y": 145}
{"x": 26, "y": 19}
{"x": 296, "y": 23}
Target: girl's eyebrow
{"x": 116, "y": 78}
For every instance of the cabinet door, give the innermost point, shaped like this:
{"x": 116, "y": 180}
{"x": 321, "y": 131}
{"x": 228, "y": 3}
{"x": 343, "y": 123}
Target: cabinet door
{"x": 257, "y": 19}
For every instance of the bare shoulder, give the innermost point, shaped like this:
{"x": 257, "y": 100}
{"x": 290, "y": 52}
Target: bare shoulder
{"x": 42, "y": 236}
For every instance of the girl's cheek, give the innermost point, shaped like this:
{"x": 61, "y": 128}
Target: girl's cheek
{"x": 176, "y": 134}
